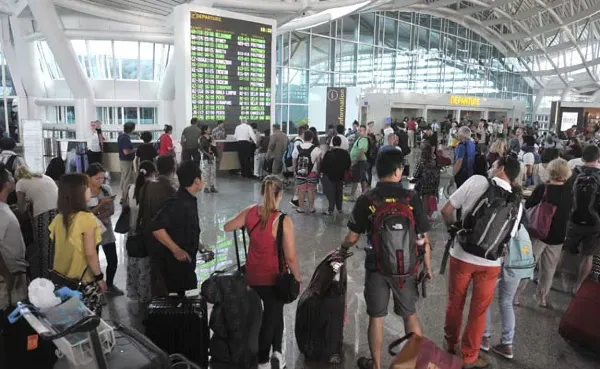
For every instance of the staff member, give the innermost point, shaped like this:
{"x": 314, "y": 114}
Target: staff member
{"x": 245, "y": 137}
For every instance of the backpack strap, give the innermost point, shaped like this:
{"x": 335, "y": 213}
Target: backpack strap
{"x": 10, "y": 164}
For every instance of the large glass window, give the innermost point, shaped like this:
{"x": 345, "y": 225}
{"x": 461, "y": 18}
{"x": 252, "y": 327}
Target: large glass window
{"x": 101, "y": 59}
{"x": 146, "y": 61}
{"x": 390, "y": 50}
{"x": 126, "y": 57}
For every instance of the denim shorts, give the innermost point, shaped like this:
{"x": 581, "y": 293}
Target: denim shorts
{"x": 377, "y": 295}
{"x": 360, "y": 172}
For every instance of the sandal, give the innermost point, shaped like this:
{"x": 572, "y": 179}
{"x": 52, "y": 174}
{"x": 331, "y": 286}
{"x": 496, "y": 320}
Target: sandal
{"x": 364, "y": 363}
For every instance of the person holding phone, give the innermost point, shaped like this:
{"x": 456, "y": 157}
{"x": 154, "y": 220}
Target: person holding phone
{"x": 102, "y": 205}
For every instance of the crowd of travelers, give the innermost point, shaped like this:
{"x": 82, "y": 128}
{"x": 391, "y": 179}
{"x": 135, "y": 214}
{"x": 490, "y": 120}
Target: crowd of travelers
{"x": 511, "y": 171}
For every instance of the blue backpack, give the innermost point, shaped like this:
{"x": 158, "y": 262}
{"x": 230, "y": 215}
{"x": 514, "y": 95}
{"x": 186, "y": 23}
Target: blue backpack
{"x": 520, "y": 260}
{"x": 156, "y": 145}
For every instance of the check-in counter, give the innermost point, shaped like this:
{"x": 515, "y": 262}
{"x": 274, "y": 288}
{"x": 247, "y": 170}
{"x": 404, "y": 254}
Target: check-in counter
{"x": 110, "y": 155}
{"x": 228, "y": 155}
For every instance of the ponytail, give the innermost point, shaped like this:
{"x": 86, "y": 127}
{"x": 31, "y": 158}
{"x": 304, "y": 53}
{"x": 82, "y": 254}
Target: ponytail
{"x": 270, "y": 190}
{"x": 147, "y": 169}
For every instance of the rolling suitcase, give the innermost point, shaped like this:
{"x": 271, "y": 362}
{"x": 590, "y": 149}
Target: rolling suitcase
{"x": 579, "y": 325}
{"x": 236, "y": 315}
{"x": 179, "y": 325}
{"x": 321, "y": 311}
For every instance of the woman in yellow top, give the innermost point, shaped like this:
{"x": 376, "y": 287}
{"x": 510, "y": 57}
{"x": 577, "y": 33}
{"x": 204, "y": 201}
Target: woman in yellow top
{"x": 76, "y": 232}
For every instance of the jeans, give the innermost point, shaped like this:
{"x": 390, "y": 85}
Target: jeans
{"x": 334, "y": 190}
{"x": 110, "y": 252}
{"x": 484, "y": 283}
{"x": 271, "y": 327}
{"x": 507, "y": 288}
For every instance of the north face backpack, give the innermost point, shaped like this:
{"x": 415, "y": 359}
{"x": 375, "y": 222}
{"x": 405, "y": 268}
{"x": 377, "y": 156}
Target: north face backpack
{"x": 486, "y": 229}
{"x": 393, "y": 236}
{"x": 520, "y": 260}
{"x": 287, "y": 155}
{"x": 304, "y": 164}
{"x": 585, "y": 201}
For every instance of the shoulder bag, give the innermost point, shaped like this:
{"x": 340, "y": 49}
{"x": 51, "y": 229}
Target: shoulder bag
{"x": 540, "y": 217}
{"x": 287, "y": 288}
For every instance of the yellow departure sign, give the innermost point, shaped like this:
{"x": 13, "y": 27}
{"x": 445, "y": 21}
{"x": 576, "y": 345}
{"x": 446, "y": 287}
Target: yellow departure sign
{"x": 464, "y": 100}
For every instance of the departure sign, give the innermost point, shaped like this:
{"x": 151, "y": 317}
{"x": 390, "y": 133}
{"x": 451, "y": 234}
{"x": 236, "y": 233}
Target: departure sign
{"x": 231, "y": 69}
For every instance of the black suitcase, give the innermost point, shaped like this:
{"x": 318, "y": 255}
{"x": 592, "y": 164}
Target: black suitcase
{"x": 179, "y": 325}
{"x": 135, "y": 351}
{"x": 21, "y": 347}
{"x": 321, "y": 312}
{"x": 236, "y": 315}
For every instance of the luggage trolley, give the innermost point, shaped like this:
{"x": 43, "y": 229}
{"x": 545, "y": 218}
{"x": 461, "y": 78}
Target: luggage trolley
{"x": 83, "y": 343}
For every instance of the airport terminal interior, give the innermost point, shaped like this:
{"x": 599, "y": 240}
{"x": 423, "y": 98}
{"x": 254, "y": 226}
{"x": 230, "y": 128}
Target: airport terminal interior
{"x": 506, "y": 69}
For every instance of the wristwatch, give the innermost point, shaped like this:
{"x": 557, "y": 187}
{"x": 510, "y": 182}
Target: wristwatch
{"x": 99, "y": 277}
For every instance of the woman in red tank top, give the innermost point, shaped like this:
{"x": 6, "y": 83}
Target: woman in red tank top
{"x": 262, "y": 266}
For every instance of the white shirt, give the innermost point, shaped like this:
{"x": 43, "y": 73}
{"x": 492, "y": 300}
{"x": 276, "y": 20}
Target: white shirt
{"x": 42, "y": 192}
{"x": 465, "y": 198}
{"x": 93, "y": 143}
{"x": 574, "y": 163}
{"x": 243, "y": 132}
{"x": 499, "y": 127}
{"x": 344, "y": 145}
{"x": 527, "y": 157}
{"x": 386, "y": 132}
{"x": 314, "y": 155}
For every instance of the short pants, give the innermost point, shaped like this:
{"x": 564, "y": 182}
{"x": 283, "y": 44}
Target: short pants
{"x": 582, "y": 239}
{"x": 360, "y": 172}
{"x": 307, "y": 183}
{"x": 377, "y": 295}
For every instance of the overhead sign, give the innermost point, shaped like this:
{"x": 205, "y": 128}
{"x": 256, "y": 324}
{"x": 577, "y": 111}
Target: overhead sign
{"x": 464, "y": 100}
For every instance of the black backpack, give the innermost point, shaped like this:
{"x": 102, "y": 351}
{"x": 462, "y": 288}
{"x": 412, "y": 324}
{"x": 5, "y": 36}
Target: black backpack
{"x": 585, "y": 201}
{"x": 304, "y": 163}
{"x": 486, "y": 229}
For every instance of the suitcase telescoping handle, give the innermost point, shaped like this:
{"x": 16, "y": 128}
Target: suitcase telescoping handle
{"x": 237, "y": 247}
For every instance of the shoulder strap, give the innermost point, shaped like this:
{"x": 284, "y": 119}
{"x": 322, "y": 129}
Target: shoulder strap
{"x": 105, "y": 191}
{"x": 10, "y": 164}
{"x": 279, "y": 240}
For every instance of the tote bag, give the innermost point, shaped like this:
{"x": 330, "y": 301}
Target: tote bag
{"x": 540, "y": 217}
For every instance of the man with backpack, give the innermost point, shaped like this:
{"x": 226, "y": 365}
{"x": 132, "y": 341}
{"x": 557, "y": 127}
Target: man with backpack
{"x": 8, "y": 157}
{"x": 396, "y": 227}
{"x": 491, "y": 214}
{"x": 360, "y": 165}
{"x": 583, "y": 229}
{"x": 464, "y": 157}
{"x": 306, "y": 159}
{"x": 289, "y": 161}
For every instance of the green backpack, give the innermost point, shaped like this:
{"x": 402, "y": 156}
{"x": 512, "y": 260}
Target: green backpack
{"x": 520, "y": 260}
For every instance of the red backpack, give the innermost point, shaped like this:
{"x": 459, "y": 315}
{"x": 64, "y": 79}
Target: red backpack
{"x": 394, "y": 238}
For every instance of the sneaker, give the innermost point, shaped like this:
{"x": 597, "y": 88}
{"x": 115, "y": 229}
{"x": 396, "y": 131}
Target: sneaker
{"x": 364, "y": 363}
{"x": 485, "y": 344}
{"x": 214, "y": 190}
{"x": 504, "y": 350}
{"x": 327, "y": 212}
{"x": 295, "y": 203}
{"x": 480, "y": 363}
{"x": 277, "y": 360}
{"x": 207, "y": 190}
{"x": 115, "y": 291}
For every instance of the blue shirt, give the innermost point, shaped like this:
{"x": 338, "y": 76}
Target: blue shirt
{"x": 124, "y": 142}
{"x": 466, "y": 149}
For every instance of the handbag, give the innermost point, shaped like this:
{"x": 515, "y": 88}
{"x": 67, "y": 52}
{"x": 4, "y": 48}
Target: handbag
{"x": 432, "y": 204}
{"x": 287, "y": 288}
{"x": 136, "y": 248}
{"x": 540, "y": 217}
{"x": 421, "y": 353}
{"x": 62, "y": 280}
{"x": 122, "y": 225}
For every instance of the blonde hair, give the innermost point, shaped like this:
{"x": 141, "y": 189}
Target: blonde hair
{"x": 270, "y": 189}
{"x": 23, "y": 172}
{"x": 499, "y": 147}
{"x": 558, "y": 170}
{"x": 464, "y": 133}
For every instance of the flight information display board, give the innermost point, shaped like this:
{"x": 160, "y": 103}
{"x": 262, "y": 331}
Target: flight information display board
{"x": 231, "y": 69}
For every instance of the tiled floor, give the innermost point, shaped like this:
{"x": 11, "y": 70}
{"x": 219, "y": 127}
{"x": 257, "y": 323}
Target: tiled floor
{"x": 537, "y": 342}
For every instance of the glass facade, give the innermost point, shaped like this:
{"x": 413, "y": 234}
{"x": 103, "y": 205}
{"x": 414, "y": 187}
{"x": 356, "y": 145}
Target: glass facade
{"x": 108, "y": 59}
{"x": 391, "y": 51}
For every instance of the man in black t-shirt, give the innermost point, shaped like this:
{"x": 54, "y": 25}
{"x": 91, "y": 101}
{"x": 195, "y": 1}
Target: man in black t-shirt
{"x": 390, "y": 165}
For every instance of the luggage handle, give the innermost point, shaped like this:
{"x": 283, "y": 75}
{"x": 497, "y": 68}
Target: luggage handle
{"x": 87, "y": 324}
{"x": 398, "y": 342}
{"x": 237, "y": 247}
{"x": 179, "y": 361}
